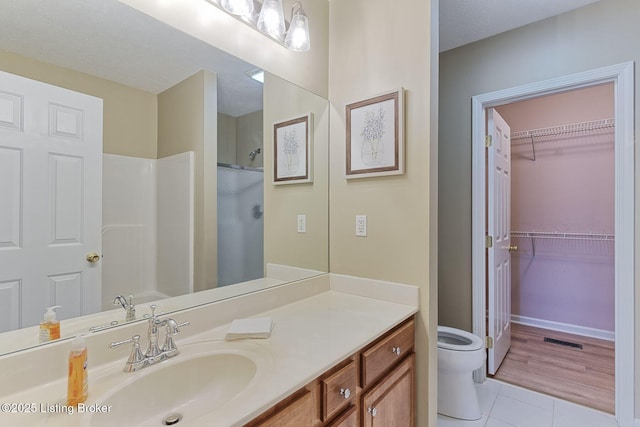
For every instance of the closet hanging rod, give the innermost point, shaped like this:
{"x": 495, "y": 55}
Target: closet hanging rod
{"x": 564, "y": 129}
{"x": 565, "y": 236}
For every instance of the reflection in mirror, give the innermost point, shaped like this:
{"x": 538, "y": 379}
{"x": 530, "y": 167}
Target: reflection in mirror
{"x": 187, "y": 212}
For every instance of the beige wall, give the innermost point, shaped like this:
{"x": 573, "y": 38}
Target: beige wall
{"x": 187, "y": 121}
{"x": 597, "y": 35}
{"x": 249, "y": 136}
{"x": 307, "y": 69}
{"x": 130, "y": 115}
{"x": 226, "y": 139}
{"x": 283, "y": 203}
{"x": 374, "y": 48}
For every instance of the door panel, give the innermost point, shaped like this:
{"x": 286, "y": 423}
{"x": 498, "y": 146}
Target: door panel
{"x": 50, "y": 200}
{"x": 10, "y": 200}
{"x": 499, "y": 225}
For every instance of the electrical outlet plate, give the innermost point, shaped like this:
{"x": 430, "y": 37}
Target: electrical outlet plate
{"x": 302, "y": 223}
{"x": 361, "y": 225}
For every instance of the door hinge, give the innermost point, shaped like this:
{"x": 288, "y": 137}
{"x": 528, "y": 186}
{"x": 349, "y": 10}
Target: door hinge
{"x": 488, "y": 140}
{"x": 488, "y": 242}
{"x": 489, "y": 342}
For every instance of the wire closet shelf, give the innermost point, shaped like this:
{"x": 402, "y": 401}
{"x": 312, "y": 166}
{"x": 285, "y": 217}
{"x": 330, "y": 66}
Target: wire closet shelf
{"x": 565, "y": 129}
{"x": 565, "y": 236}
{"x": 602, "y": 125}
{"x": 533, "y": 236}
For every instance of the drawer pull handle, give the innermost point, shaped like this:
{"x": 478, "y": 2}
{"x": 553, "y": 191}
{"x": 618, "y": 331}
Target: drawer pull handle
{"x": 372, "y": 411}
{"x": 396, "y": 351}
{"x": 345, "y": 392}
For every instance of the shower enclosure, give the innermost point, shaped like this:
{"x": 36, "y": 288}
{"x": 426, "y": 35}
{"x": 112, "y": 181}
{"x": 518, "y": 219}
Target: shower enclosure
{"x": 240, "y": 224}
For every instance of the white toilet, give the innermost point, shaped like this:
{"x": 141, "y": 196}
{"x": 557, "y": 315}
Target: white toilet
{"x": 459, "y": 354}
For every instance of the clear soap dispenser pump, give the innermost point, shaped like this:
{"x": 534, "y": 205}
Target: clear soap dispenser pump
{"x": 50, "y": 326}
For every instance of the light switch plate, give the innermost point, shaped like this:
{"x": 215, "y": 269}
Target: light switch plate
{"x": 302, "y": 223}
{"x": 361, "y": 225}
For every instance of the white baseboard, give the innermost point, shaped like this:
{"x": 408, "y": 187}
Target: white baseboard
{"x": 564, "y": 327}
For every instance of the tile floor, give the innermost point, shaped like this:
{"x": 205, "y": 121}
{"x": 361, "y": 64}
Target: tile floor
{"x": 504, "y": 405}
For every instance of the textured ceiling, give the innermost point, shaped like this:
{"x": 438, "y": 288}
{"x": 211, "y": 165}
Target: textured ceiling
{"x": 108, "y": 39}
{"x": 466, "y": 21}
{"x": 111, "y": 40}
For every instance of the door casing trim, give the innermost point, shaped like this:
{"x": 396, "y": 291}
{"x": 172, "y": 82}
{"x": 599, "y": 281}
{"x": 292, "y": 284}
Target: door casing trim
{"x": 622, "y": 75}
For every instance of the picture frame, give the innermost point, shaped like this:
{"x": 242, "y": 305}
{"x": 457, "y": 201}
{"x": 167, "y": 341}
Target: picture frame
{"x": 293, "y": 150}
{"x": 375, "y": 136}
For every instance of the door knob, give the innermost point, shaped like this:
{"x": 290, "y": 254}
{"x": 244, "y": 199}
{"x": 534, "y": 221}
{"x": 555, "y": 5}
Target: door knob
{"x": 513, "y": 248}
{"x": 93, "y": 257}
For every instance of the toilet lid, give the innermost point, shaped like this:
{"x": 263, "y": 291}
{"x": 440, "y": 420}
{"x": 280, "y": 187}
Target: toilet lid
{"x": 458, "y": 340}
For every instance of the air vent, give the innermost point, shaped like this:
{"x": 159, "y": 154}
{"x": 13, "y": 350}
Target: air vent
{"x": 564, "y": 343}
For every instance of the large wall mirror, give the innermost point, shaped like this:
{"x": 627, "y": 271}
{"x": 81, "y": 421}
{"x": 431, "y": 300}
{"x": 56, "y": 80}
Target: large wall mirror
{"x": 190, "y": 209}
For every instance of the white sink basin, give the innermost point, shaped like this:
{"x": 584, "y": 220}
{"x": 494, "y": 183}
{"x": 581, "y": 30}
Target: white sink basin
{"x": 190, "y": 387}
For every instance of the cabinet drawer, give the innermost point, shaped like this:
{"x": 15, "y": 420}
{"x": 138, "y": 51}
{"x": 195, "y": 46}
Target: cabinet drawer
{"x": 386, "y": 352}
{"x": 338, "y": 390}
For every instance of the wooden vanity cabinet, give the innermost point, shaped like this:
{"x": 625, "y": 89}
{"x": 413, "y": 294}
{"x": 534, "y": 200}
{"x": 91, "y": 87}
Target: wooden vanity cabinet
{"x": 338, "y": 389}
{"x": 348, "y": 419}
{"x": 373, "y": 388}
{"x": 294, "y": 411}
{"x": 391, "y": 403}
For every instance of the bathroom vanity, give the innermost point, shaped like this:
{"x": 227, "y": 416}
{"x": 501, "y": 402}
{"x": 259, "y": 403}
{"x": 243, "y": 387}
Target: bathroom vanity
{"x": 369, "y": 388}
{"x": 334, "y": 358}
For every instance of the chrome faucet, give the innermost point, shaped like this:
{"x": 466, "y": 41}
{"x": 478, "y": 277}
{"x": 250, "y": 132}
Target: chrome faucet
{"x": 153, "y": 351}
{"x": 128, "y": 306}
{"x": 154, "y": 354}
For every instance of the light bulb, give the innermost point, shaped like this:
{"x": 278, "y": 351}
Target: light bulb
{"x": 238, "y": 7}
{"x": 298, "y": 35}
{"x": 271, "y": 20}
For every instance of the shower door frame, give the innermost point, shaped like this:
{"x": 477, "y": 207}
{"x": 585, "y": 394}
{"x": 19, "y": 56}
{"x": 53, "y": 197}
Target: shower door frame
{"x": 622, "y": 75}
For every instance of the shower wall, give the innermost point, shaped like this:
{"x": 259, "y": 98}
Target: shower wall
{"x": 238, "y": 136}
{"x": 136, "y": 236}
{"x": 129, "y": 227}
{"x": 568, "y": 188}
{"x": 240, "y": 225}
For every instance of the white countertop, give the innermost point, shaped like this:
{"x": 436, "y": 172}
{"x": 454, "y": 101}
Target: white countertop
{"x": 309, "y": 336}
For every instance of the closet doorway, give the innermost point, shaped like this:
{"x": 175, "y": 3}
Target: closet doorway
{"x": 562, "y": 245}
{"x": 619, "y": 80}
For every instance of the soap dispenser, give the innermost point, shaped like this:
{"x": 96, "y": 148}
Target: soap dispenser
{"x": 50, "y": 326}
{"x": 77, "y": 381}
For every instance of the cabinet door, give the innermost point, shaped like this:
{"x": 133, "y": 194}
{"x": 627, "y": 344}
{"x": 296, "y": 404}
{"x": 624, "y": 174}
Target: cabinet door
{"x": 297, "y": 414}
{"x": 348, "y": 419}
{"x": 391, "y": 402}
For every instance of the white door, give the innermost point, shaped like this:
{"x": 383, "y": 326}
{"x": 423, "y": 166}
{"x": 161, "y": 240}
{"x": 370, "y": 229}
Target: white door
{"x": 499, "y": 224}
{"x": 50, "y": 201}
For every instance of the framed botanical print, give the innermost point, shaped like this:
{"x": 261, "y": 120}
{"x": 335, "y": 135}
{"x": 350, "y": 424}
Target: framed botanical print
{"x": 375, "y": 136}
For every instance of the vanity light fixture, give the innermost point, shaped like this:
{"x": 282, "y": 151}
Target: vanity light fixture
{"x": 298, "y": 34}
{"x": 238, "y": 7}
{"x": 270, "y": 20}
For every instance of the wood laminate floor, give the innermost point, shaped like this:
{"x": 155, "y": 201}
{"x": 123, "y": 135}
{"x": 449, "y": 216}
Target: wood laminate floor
{"x": 584, "y": 376}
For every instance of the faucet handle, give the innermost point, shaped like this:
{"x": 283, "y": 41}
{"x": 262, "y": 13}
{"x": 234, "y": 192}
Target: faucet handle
{"x": 187, "y": 323}
{"x": 169, "y": 348}
{"x": 131, "y": 310}
{"x": 134, "y": 339}
{"x": 136, "y": 359}
{"x": 177, "y": 328}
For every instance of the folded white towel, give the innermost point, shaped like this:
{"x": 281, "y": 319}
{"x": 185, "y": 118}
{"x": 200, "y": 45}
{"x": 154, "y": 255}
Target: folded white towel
{"x": 255, "y": 327}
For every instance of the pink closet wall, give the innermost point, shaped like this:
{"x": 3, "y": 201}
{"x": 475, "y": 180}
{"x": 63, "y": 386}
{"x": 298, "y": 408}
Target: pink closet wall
{"x": 569, "y": 188}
